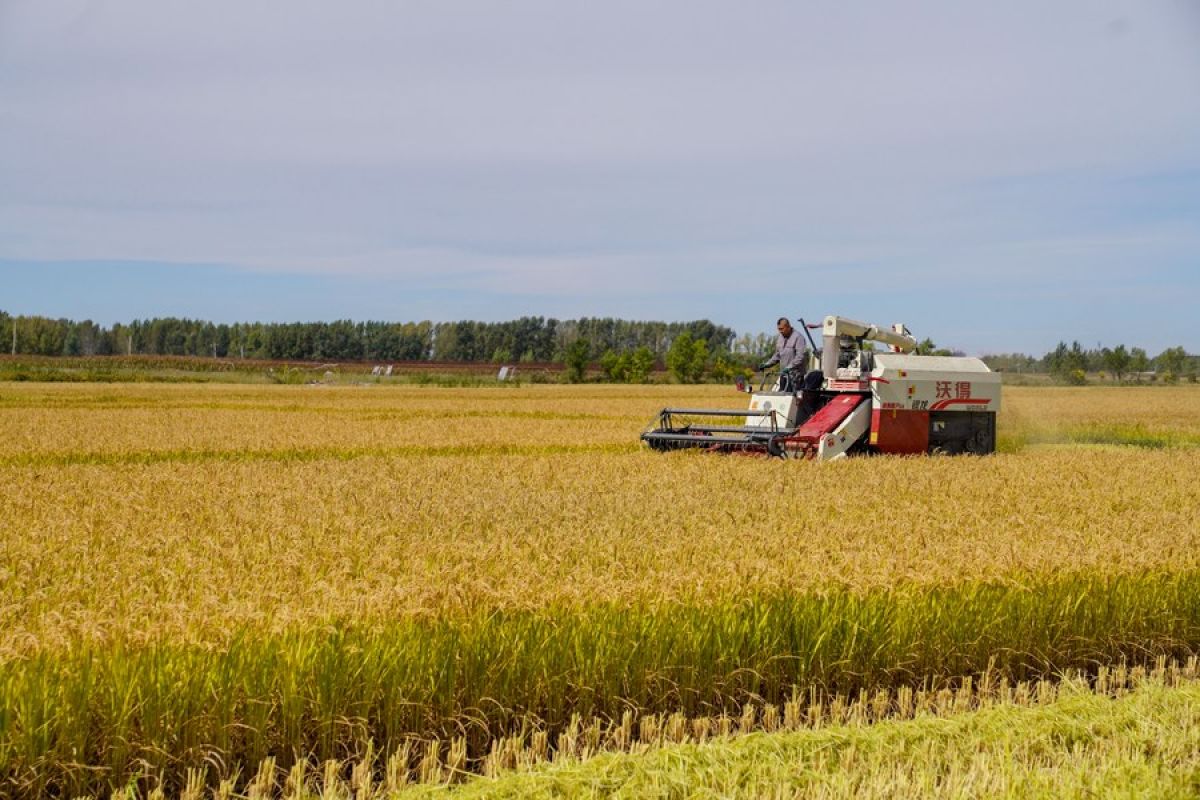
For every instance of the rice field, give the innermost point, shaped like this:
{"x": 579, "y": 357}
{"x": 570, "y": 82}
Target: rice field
{"x": 200, "y": 580}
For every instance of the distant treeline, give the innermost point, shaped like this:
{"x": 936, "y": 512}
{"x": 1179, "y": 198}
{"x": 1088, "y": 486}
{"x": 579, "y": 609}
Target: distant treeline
{"x": 526, "y": 339}
{"x": 1072, "y": 363}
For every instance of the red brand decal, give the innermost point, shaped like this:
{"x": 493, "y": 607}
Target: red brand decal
{"x": 943, "y": 389}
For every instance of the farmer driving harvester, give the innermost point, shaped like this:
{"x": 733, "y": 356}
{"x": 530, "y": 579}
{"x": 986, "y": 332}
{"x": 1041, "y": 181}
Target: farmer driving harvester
{"x": 790, "y": 355}
{"x": 855, "y": 399}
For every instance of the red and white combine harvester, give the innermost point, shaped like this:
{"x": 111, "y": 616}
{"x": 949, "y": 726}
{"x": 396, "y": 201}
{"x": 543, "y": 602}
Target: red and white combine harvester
{"x": 857, "y": 400}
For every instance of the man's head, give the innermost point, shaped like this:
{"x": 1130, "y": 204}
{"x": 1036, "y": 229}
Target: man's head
{"x": 784, "y": 326}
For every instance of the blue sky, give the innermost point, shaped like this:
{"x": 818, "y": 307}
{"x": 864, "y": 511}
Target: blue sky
{"x": 997, "y": 176}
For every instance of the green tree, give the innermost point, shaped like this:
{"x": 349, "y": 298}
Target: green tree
{"x": 576, "y": 360}
{"x": 1139, "y": 362}
{"x": 1068, "y": 364}
{"x": 641, "y": 362}
{"x": 1077, "y": 360}
{"x": 1116, "y": 361}
{"x": 926, "y": 347}
{"x": 699, "y": 358}
{"x": 725, "y": 369}
{"x": 1171, "y": 363}
{"x": 1056, "y": 360}
{"x": 687, "y": 358}
{"x": 615, "y": 367}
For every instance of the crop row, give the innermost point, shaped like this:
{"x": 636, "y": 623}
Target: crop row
{"x": 95, "y": 715}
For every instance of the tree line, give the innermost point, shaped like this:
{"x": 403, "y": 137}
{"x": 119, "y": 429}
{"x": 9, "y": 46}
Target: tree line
{"x": 1072, "y": 363}
{"x": 528, "y": 339}
{"x": 626, "y": 350}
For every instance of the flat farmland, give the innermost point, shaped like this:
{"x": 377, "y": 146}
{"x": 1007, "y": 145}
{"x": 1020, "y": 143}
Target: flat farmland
{"x": 227, "y": 586}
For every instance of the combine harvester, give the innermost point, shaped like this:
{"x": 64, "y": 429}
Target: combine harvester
{"x": 860, "y": 401}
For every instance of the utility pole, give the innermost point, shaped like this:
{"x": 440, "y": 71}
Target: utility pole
{"x": 14, "y": 324}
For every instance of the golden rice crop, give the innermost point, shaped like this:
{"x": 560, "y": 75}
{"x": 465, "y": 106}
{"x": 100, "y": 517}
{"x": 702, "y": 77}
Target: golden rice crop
{"x": 1150, "y": 416}
{"x": 180, "y": 562}
{"x": 76, "y": 421}
{"x": 1158, "y": 407}
{"x": 189, "y": 549}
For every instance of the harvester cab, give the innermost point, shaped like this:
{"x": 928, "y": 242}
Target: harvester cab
{"x": 852, "y": 399}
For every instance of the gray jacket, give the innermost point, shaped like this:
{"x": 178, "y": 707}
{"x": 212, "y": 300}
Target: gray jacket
{"x": 789, "y": 352}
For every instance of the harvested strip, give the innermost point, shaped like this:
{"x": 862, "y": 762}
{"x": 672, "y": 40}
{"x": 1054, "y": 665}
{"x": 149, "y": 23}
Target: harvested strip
{"x": 1082, "y": 745}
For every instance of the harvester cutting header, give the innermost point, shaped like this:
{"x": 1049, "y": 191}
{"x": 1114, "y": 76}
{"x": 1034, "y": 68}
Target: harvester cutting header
{"x": 850, "y": 399}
